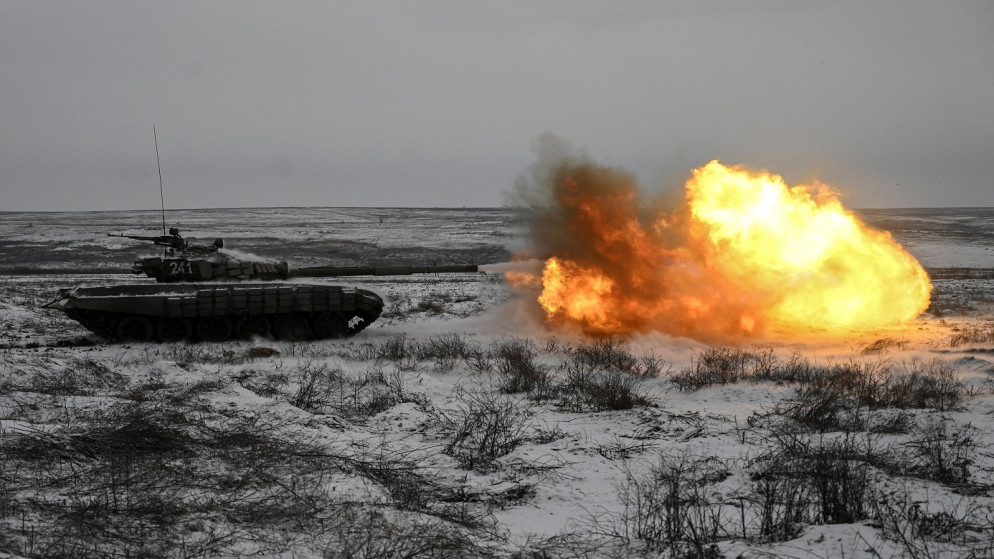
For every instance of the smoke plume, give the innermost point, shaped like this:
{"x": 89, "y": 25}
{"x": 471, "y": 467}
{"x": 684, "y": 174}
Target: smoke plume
{"x": 741, "y": 255}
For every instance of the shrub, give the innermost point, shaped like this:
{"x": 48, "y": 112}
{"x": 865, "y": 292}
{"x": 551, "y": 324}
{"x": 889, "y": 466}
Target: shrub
{"x": 672, "y": 506}
{"x": 835, "y": 472}
{"x": 780, "y": 503}
{"x": 715, "y": 365}
{"x": 315, "y": 386}
{"x": 585, "y": 389}
{"x": 822, "y": 410}
{"x": 81, "y": 377}
{"x": 940, "y": 453}
{"x": 514, "y": 361}
{"x": 920, "y": 529}
{"x": 609, "y": 354}
{"x": 770, "y": 367}
{"x": 487, "y": 427}
{"x": 927, "y": 384}
{"x": 972, "y": 334}
{"x": 370, "y": 533}
{"x": 394, "y": 348}
{"x": 318, "y": 388}
{"x": 445, "y": 346}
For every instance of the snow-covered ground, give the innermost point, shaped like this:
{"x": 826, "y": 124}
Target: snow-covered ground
{"x": 460, "y": 425}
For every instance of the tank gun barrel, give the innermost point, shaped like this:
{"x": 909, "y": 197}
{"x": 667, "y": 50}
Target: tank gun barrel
{"x": 173, "y": 241}
{"x": 341, "y": 271}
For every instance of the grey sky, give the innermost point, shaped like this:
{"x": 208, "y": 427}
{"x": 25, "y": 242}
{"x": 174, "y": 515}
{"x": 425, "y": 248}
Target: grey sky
{"x": 436, "y": 103}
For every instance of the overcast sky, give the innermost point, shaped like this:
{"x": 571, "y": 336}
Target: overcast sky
{"x": 437, "y": 103}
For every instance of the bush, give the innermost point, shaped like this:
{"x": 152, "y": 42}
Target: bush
{"x": 927, "y": 384}
{"x": 937, "y": 452}
{"x": 673, "y": 507}
{"x": 371, "y": 533}
{"x": 318, "y": 388}
{"x": 585, "y": 389}
{"x": 972, "y": 334}
{"x": 780, "y": 503}
{"x": 81, "y": 377}
{"x": 487, "y": 427}
{"x": 514, "y": 361}
{"x": 837, "y": 398}
{"x": 715, "y": 365}
{"x": 834, "y": 471}
{"x": 921, "y": 527}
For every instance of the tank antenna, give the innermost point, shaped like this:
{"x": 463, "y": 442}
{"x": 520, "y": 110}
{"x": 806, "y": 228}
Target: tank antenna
{"x": 162, "y": 199}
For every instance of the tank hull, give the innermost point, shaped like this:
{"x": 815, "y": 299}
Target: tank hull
{"x": 219, "y": 312}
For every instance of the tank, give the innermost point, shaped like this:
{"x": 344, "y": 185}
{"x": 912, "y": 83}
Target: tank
{"x": 203, "y": 294}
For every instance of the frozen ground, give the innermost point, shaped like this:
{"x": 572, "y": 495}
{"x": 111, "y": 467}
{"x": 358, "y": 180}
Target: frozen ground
{"x": 458, "y": 425}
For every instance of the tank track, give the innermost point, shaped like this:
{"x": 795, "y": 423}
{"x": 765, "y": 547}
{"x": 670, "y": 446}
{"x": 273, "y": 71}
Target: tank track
{"x": 194, "y": 313}
{"x": 123, "y": 327}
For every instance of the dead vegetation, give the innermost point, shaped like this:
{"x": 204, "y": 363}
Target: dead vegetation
{"x": 425, "y": 444}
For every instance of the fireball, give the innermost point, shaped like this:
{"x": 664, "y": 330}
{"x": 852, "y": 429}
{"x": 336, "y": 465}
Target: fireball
{"x": 744, "y": 255}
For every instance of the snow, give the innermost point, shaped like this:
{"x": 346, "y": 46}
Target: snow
{"x": 565, "y": 478}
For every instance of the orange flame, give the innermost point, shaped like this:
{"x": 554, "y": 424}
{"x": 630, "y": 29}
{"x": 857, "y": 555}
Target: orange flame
{"x": 745, "y": 255}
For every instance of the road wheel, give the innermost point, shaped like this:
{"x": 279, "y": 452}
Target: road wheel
{"x": 249, "y": 327}
{"x": 291, "y": 327}
{"x": 214, "y": 329}
{"x": 173, "y": 329}
{"x": 134, "y": 328}
{"x": 329, "y": 325}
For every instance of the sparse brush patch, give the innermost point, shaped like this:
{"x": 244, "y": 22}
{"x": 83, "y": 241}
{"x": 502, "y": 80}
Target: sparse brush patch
{"x": 371, "y": 533}
{"x": 80, "y": 377}
{"x": 672, "y": 506}
{"x": 394, "y": 348}
{"x": 399, "y": 350}
{"x": 836, "y": 474}
{"x": 768, "y": 366}
{"x": 623, "y": 449}
{"x": 883, "y": 344}
{"x": 514, "y": 360}
{"x": 319, "y": 388}
{"x": 780, "y": 503}
{"x": 927, "y": 384}
{"x": 715, "y": 365}
{"x": 437, "y": 303}
{"x": 921, "y": 527}
{"x": 264, "y": 383}
{"x": 487, "y": 426}
{"x": 840, "y": 397}
{"x": 612, "y": 354}
{"x": 113, "y": 475}
{"x": 585, "y": 389}
{"x": 609, "y": 354}
{"x": 448, "y": 346}
{"x": 587, "y": 386}
{"x": 188, "y": 394}
{"x": 315, "y": 386}
{"x": 863, "y": 382}
{"x": 890, "y": 422}
{"x": 598, "y": 376}
{"x": 822, "y": 411}
{"x": 376, "y": 391}
{"x": 972, "y": 334}
{"x": 413, "y": 489}
{"x": 444, "y": 350}
{"x": 192, "y": 354}
{"x": 940, "y": 452}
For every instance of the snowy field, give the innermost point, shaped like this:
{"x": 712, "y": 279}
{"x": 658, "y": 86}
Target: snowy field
{"x": 460, "y": 425}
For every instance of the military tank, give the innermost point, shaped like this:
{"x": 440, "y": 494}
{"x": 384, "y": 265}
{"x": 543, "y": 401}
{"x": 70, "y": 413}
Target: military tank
{"x": 202, "y": 294}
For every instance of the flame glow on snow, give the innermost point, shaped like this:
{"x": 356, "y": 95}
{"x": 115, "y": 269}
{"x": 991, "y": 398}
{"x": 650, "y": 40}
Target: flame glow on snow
{"x": 743, "y": 255}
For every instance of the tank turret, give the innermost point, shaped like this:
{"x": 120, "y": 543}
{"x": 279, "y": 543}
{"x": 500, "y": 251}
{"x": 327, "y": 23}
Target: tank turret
{"x": 212, "y": 296}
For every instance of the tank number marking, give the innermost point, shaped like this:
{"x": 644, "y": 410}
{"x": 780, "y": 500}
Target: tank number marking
{"x": 179, "y": 268}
